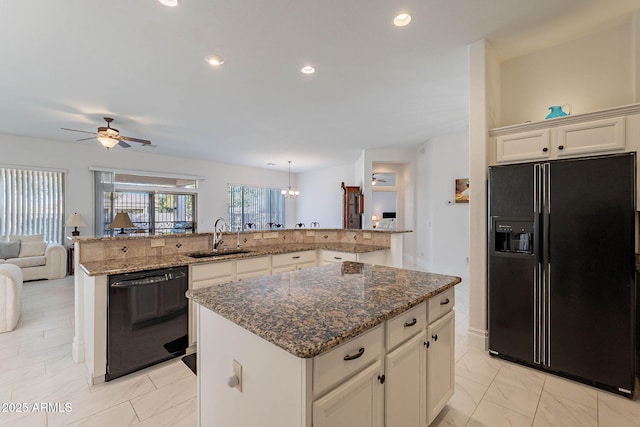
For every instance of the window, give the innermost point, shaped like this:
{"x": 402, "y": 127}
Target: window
{"x": 258, "y": 206}
{"x": 156, "y": 205}
{"x": 32, "y": 202}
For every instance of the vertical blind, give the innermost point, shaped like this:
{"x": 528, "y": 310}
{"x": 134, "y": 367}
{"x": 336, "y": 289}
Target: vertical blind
{"x": 32, "y": 202}
{"x": 262, "y": 207}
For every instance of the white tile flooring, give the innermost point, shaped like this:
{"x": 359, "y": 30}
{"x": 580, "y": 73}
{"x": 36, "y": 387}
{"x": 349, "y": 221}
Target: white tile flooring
{"x": 36, "y": 367}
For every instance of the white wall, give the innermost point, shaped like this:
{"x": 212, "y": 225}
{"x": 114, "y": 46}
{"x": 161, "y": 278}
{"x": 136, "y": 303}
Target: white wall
{"x": 591, "y": 73}
{"x": 321, "y": 196}
{"x": 383, "y": 201}
{"x": 77, "y": 158}
{"x": 442, "y": 226}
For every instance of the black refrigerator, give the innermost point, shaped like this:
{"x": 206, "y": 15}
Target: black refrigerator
{"x": 561, "y": 268}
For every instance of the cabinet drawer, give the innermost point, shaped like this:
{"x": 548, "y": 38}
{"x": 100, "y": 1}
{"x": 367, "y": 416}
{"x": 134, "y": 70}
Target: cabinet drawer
{"x": 406, "y": 325}
{"x": 441, "y": 304}
{"x": 252, "y": 264}
{"x": 212, "y": 270}
{"x": 293, "y": 258}
{"x": 331, "y": 368}
{"x": 335, "y": 256}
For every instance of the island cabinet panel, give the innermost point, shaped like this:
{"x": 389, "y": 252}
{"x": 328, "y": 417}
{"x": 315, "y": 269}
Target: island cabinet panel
{"x": 274, "y": 382}
{"x": 440, "y": 364}
{"x": 282, "y": 263}
{"x": 406, "y": 384}
{"x": 376, "y": 257}
{"x": 357, "y": 402}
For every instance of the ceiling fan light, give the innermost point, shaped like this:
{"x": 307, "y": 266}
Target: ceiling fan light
{"x": 170, "y": 3}
{"x": 214, "y": 60}
{"x": 402, "y": 19}
{"x": 107, "y": 142}
{"x": 307, "y": 69}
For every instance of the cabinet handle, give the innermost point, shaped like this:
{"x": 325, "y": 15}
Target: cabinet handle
{"x": 545, "y": 149}
{"x": 296, "y": 257}
{"x": 435, "y": 337}
{"x": 426, "y": 344}
{"x": 444, "y": 301}
{"x": 337, "y": 257}
{"x": 560, "y": 147}
{"x": 355, "y": 356}
{"x": 381, "y": 378}
{"x": 410, "y": 324}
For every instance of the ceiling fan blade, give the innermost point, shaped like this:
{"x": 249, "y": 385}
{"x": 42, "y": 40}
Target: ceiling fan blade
{"x": 123, "y": 144}
{"x": 86, "y": 139}
{"x": 128, "y": 138}
{"x": 76, "y": 130}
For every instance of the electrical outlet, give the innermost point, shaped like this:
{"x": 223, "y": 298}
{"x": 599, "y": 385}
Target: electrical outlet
{"x": 310, "y": 233}
{"x": 157, "y": 243}
{"x": 237, "y": 371}
{"x": 272, "y": 235}
{"x": 366, "y": 236}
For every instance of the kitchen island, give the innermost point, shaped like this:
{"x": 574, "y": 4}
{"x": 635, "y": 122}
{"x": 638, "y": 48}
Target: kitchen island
{"x": 341, "y": 344}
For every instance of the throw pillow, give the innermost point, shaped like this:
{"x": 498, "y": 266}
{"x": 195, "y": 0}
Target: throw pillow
{"x": 32, "y": 249}
{"x": 9, "y": 249}
{"x": 28, "y": 238}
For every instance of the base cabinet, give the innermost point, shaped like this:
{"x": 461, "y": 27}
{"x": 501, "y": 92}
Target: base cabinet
{"x": 440, "y": 364}
{"x": 406, "y": 384}
{"x": 357, "y": 402}
{"x": 398, "y": 374}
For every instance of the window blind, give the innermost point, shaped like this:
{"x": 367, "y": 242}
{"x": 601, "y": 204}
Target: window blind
{"x": 32, "y": 202}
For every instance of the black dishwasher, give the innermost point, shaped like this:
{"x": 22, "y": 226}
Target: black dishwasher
{"x": 147, "y": 319}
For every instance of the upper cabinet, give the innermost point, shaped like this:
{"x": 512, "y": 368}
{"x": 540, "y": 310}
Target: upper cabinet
{"x": 604, "y": 132}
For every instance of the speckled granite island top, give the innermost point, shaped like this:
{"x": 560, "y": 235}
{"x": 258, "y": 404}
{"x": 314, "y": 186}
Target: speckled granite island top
{"x": 307, "y": 312}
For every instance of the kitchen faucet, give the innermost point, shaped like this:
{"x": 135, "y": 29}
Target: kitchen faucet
{"x": 217, "y": 232}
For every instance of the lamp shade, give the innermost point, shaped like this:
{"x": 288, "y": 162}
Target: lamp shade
{"x": 75, "y": 221}
{"x": 121, "y": 221}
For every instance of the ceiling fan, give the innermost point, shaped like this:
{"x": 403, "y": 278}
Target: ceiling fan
{"x": 110, "y": 137}
{"x": 375, "y": 180}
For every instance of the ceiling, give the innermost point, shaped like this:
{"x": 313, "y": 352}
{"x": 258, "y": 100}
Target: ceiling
{"x": 69, "y": 63}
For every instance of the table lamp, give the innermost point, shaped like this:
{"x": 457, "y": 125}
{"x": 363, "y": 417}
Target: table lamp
{"x": 75, "y": 221}
{"x": 121, "y": 221}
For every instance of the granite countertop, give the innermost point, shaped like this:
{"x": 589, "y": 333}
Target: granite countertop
{"x": 129, "y": 265}
{"x": 307, "y": 312}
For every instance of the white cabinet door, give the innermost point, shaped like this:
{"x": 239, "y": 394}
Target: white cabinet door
{"x": 202, "y": 276}
{"x": 358, "y": 402}
{"x": 405, "y": 384}
{"x": 440, "y": 364}
{"x": 524, "y": 146}
{"x": 591, "y": 137}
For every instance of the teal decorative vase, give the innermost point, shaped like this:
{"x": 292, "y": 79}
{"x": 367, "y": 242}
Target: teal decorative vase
{"x": 556, "y": 111}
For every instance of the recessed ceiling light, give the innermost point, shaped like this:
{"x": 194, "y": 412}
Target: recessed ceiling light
{"x": 170, "y": 3}
{"x": 401, "y": 19}
{"x": 214, "y": 59}
{"x": 308, "y": 69}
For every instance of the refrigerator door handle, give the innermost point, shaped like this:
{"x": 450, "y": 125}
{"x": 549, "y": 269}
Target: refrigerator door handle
{"x": 536, "y": 314}
{"x": 548, "y": 317}
{"x": 536, "y": 195}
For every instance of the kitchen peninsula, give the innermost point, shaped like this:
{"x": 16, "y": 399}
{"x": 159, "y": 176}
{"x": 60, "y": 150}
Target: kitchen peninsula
{"x": 265, "y": 252}
{"x": 340, "y": 344}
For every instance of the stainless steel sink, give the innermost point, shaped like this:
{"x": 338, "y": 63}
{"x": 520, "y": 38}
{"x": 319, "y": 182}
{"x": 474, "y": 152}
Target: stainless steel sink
{"x": 217, "y": 254}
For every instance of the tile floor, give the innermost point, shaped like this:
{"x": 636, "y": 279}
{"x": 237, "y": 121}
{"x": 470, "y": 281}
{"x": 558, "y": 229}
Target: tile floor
{"x": 36, "y": 368}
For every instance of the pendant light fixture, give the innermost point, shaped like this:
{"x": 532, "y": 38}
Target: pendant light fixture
{"x": 290, "y": 192}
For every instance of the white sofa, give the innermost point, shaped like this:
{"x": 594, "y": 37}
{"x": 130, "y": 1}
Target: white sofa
{"x": 36, "y": 258}
{"x": 10, "y": 296}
